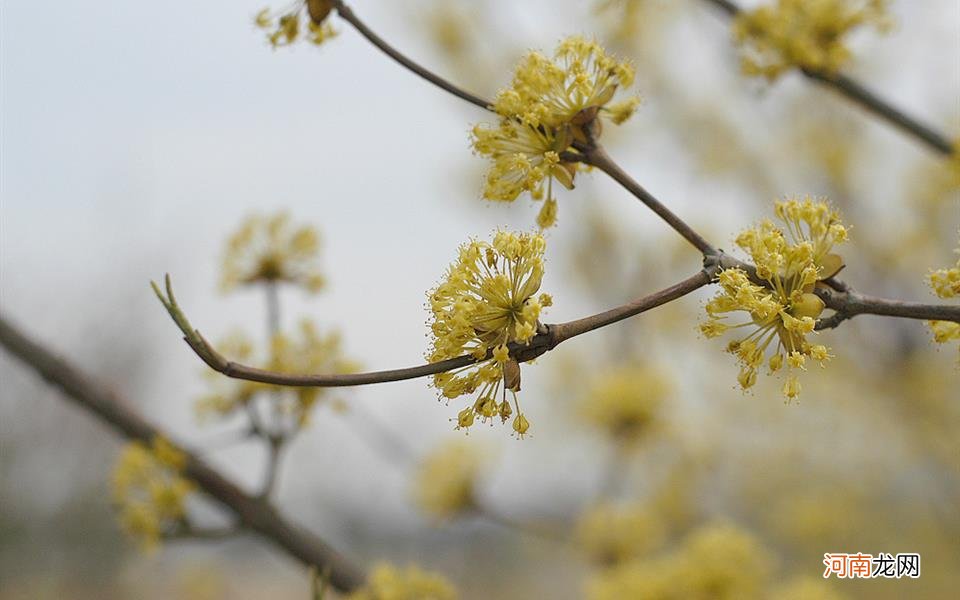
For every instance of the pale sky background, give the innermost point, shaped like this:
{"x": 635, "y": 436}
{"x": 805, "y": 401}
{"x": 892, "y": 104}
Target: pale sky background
{"x": 135, "y": 136}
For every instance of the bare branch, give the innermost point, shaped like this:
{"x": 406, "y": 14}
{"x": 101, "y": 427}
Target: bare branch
{"x": 251, "y": 513}
{"x": 599, "y": 158}
{"x": 349, "y": 16}
{"x": 850, "y": 303}
{"x": 547, "y": 339}
{"x": 867, "y": 99}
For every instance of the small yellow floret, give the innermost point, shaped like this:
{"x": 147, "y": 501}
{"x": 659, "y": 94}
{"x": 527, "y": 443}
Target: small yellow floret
{"x": 283, "y": 28}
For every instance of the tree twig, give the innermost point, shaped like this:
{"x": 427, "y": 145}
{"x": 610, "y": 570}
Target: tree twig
{"x": 599, "y": 158}
{"x": 850, "y": 303}
{"x": 545, "y": 340}
{"x": 347, "y": 14}
{"x": 865, "y": 98}
{"x": 251, "y": 513}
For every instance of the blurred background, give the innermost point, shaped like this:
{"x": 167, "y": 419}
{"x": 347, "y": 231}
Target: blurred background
{"x": 137, "y": 137}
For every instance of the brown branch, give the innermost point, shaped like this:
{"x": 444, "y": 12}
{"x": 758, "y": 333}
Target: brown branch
{"x": 251, "y": 513}
{"x": 599, "y": 158}
{"x": 850, "y": 303}
{"x": 867, "y": 99}
{"x": 547, "y": 339}
{"x": 349, "y": 16}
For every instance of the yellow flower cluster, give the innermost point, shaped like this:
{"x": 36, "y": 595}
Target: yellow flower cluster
{"x": 309, "y": 351}
{"x": 447, "y": 479}
{"x": 720, "y": 561}
{"x": 487, "y": 302}
{"x": 625, "y": 403}
{"x": 283, "y": 27}
{"x": 551, "y": 104}
{"x": 806, "y": 34}
{"x": 789, "y": 262}
{"x": 610, "y": 535}
{"x": 945, "y": 284}
{"x": 269, "y": 249}
{"x": 149, "y": 491}
{"x": 387, "y": 582}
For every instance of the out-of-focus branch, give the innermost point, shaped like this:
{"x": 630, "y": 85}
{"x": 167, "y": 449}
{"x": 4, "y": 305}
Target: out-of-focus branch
{"x": 848, "y": 303}
{"x": 545, "y": 340}
{"x": 867, "y": 99}
{"x": 349, "y": 16}
{"x": 251, "y": 512}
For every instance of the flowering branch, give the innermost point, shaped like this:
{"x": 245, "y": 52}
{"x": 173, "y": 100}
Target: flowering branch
{"x": 252, "y": 513}
{"x": 545, "y": 340}
{"x": 869, "y": 100}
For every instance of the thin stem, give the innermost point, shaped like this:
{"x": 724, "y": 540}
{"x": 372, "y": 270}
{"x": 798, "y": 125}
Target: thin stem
{"x": 349, "y": 16}
{"x": 251, "y": 513}
{"x": 272, "y": 294}
{"x": 275, "y": 446}
{"x": 850, "y": 303}
{"x": 867, "y": 99}
{"x": 546, "y": 340}
{"x": 275, "y": 441}
{"x": 599, "y": 158}
{"x": 570, "y": 329}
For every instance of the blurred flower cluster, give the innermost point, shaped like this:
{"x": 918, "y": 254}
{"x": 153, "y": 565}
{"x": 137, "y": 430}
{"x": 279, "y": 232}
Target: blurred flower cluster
{"x": 387, "y": 582}
{"x": 149, "y": 490}
{"x": 270, "y": 250}
{"x": 805, "y": 34}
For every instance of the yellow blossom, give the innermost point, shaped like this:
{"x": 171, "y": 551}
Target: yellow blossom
{"x": 283, "y": 27}
{"x": 609, "y": 535}
{"x": 387, "y": 582}
{"x": 486, "y": 303}
{"x": 447, "y": 478}
{"x": 149, "y": 491}
{"x": 625, "y": 403}
{"x": 550, "y": 105}
{"x": 806, "y": 34}
{"x": 789, "y": 262}
{"x": 945, "y": 284}
{"x": 269, "y": 249}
